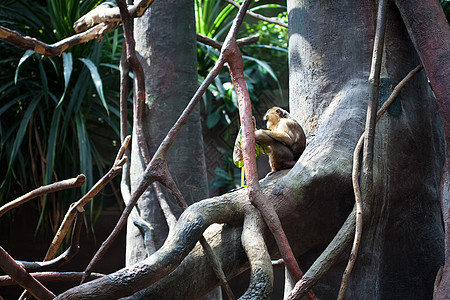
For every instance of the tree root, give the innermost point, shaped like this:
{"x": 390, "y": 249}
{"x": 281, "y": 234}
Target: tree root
{"x": 180, "y": 242}
{"x": 261, "y": 271}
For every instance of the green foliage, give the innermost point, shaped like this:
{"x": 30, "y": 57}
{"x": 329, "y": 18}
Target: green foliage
{"x": 53, "y": 109}
{"x": 227, "y": 176}
{"x": 264, "y": 63}
{"x": 273, "y": 40}
{"x": 213, "y": 18}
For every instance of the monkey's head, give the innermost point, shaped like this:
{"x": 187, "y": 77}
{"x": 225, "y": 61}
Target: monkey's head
{"x": 273, "y": 116}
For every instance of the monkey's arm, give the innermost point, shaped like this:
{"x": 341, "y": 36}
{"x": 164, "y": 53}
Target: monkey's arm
{"x": 280, "y": 136}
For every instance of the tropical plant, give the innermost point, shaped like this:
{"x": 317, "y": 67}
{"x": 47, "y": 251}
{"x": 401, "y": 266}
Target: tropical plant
{"x": 54, "y": 109}
{"x": 220, "y": 106}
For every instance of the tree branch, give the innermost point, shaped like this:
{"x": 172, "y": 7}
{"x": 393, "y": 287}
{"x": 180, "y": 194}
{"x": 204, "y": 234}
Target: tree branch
{"x": 258, "y": 16}
{"x": 261, "y": 270}
{"x": 50, "y": 188}
{"x": 105, "y": 13}
{"x": 179, "y": 243}
{"x": 218, "y": 45}
{"x": 58, "y": 48}
{"x": 6, "y": 280}
{"x": 64, "y": 257}
{"x": 71, "y": 213}
{"x": 13, "y": 269}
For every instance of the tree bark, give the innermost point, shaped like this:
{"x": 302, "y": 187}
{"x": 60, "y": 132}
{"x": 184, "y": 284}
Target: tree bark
{"x": 326, "y": 66}
{"x": 431, "y": 40}
{"x": 166, "y": 46}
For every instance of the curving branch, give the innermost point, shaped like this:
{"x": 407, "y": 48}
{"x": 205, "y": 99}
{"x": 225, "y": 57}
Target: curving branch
{"x": 50, "y": 188}
{"x": 368, "y": 137}
{"x": 179, "y": 243}
{"x": 261, "y": 270}
{"x": 58, "y": 48}
{"x": 64, "y": 257}
{"x": 6, "y": 280}
{"x": 77, "y": 206}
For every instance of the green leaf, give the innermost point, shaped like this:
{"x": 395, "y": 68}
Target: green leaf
{"x": 115, "y": 43}
{"x": 222, "y": 173}
{"x": 281, "y": 49}
{"x": 25, "y": 56}
{"x": 85, "y": 151}
{"x": 223, "y": 15}
{"x": 21, "y": 132}
{"x": 68, "y": 68}
{"x": 267, "y": 6}
{"x": 213, "y": 118}
{"x": 44, "y": 80}
{"x": 239, "y": 163}
{"x": 52, "y": 141}
{"x": 97, "y": 80}
{"x": 267, "y": 68}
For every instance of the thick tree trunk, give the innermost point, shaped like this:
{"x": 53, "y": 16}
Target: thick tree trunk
{"x": 330, "y": 51}
{"x": 432, "y": 42}
{"x": 166, "y": 46}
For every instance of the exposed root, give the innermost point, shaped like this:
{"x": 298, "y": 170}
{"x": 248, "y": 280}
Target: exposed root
{"x": 180, "y": 242}
{"x": 261, "y": 271}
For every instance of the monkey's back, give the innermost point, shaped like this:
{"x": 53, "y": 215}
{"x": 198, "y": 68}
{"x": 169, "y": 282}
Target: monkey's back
{"x": 298, "y": 136}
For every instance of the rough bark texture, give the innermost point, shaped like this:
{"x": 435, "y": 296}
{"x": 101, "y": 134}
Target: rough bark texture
{"x": 432, "y": 43}
{"x": 404, "y": 224}
{"x": 165, "y": 43}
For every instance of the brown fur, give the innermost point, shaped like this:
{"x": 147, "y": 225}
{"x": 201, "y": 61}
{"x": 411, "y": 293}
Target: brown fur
{"x": 284, "y": 141}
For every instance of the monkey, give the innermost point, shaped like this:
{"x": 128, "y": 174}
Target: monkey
{"x": 284, "y": 141}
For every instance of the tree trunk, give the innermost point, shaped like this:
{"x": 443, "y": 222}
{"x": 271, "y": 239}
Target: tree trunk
{"x": 330, "y": 51}
{"x": 167, "y": 50}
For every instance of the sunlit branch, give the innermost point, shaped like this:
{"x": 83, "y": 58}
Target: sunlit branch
{"x": 56, "y": 49}
{"x": 50, "y": 188}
